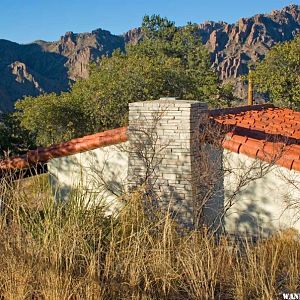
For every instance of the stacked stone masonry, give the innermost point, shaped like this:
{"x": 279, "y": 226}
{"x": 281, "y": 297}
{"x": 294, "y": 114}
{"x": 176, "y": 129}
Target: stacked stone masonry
{"x": 165, "y": 152}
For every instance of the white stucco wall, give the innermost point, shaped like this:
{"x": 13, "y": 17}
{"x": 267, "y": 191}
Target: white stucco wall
{"x": 260, "y": 199}
{"x": 268, "y": 203}
{"x": 97, "y": 176}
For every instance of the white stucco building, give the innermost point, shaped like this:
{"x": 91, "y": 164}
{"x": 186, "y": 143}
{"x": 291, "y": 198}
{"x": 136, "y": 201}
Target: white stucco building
{"x": 243, "y": 177}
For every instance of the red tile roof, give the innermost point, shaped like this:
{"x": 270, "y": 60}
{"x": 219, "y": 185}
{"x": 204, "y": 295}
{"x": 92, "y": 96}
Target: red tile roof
{"x": 261, "y": 131}
{"x": 42, "y": 155}
{"x": 268, "y": 133}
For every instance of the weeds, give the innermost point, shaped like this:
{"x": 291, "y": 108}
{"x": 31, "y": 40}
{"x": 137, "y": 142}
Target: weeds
{"x": 68, "y": 251}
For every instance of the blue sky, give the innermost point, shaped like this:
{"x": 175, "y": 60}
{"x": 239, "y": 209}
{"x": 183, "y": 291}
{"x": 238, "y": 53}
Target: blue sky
{"x": 24, "y": 21}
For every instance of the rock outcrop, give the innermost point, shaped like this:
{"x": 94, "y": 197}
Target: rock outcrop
{"x": 133, "y": 36}
{"x": 233, "y": 46}
{"x": 51, "y": 66}
{"x": 82, "y": 48}
{"x": 42, "y": 67}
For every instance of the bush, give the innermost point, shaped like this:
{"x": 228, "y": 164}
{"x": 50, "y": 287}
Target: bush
{"x": 278, "y": 74}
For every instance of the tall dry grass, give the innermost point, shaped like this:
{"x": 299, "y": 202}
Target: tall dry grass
{"x": 68, "y": 251}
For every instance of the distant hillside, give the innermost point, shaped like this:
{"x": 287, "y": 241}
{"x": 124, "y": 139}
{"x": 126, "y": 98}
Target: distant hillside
{"x": 232, "y": 47}
{"x": 51, "y": 66}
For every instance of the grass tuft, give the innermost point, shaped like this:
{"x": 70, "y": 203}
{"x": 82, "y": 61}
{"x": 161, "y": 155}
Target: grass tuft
{"x": 69, "y": 251}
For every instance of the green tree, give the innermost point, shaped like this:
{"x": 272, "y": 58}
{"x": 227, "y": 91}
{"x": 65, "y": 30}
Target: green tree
{"x": 169, "y": 61}
{"x": 51, "y": 118}
{"x": 278, "y": 74}
{"x": 13, "y": 138}
{"x": 162, "y": 39}
{"x": 225, "y": 96}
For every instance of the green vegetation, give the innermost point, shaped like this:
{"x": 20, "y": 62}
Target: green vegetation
{"x": 170, "y": 61}
{"x": 13, "y": 138}
{"x": 279, "y": 74}
{"x": 66, "y": 251}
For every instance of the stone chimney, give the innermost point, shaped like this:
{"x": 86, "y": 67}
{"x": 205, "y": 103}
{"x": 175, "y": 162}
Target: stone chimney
{"x": 165, "y": 152}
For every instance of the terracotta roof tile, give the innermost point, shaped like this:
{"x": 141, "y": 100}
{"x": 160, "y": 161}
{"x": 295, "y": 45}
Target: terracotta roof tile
{"x": 250, "y": 151}
{"x": 42, "y": 155}
{"x": 268, "y": 133}
{"x": 284, "y": 162}
{"x": 265, "y": 132}
{"x": 296, "y": 165}
{"x": 239, "y": 139}
{"x": 232, "y": 145}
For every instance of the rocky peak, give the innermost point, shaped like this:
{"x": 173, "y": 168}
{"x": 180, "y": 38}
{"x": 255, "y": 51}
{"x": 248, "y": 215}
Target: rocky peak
{"x": 67, "y": 43}
{"x": 81, "y": 48}
{"x": 69, "y": 35}
{"x": 50, "y": 66}
{"x": 133, "y": 36}
{"x": 233, "y": 46}
{"x": 22, "y": 74}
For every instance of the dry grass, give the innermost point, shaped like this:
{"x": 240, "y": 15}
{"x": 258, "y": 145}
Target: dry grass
{"x": 50, "y": 251}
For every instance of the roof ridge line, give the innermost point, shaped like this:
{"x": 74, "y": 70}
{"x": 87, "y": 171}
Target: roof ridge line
{"x": 239, "y": 109}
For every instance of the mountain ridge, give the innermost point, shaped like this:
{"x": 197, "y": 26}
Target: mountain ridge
{"x": 41, "y": 66}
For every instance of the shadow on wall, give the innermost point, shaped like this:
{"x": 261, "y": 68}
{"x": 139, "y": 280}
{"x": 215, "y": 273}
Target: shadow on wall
{"x": 99, "y": 175}
{"x": 256, "y": 218}
{"x": 211, "y": 186}
{"x": 252, "y": 220}
{"x": 182, "y": 176}
{"x": 252, "y": 199}
{"x": 238, "y": 193}
{"x": 60, "y": 191}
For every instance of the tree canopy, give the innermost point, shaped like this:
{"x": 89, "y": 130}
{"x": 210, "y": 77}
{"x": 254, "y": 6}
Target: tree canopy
{"x": 13, "y": 138}
{"x": 278, "y": 74}
{"x": 169, "y": 61}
